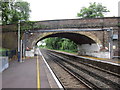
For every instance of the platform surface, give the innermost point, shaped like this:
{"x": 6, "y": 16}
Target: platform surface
{"x": 24, "y": 75}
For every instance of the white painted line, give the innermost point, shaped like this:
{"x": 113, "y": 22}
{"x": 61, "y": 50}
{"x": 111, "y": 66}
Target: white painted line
{"x": 55, "y": 78}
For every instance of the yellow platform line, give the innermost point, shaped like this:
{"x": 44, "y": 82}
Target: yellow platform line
{"x": 101, "y": 59}
{"x": 95, "y": 58}
{"x": 38, "y": 74}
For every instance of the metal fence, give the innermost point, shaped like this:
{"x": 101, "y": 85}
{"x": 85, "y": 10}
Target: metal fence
{"x": 8, "y": 53}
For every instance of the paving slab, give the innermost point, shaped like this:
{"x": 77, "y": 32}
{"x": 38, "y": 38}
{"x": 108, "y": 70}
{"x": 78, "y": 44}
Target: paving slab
{"x": 20, "y": 75}
{"x": 24, "y": 75}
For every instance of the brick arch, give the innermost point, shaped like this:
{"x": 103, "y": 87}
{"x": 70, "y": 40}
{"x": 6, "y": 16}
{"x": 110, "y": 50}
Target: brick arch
{"x": 87, "y": 34}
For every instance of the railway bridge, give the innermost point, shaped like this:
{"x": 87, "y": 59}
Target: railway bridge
{"x": 94, "y": 36}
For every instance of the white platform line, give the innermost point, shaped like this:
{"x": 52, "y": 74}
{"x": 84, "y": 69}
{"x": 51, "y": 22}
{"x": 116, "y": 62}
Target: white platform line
{"x": 55, "y": 78}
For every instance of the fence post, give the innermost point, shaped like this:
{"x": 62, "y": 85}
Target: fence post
{"x": 6, "y": 53}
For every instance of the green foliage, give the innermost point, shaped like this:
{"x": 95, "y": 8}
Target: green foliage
{"x": 3, "y": 49}
{"x": 118, "y": 24}
{"x": 61, "y": 44}
{"x": 69, "y": 51}
{"x": 14, "y": 11}
{"x": 93, "y": 11}
{"x": 53, "y": 43}
{"x": 4, "y": 7}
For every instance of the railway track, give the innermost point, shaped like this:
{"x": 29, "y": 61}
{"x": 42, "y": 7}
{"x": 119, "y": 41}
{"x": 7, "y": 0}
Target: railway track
{"x": 91, "y": 76}
{"x": 67, "y": 79}
{"x": 88, "y": 84}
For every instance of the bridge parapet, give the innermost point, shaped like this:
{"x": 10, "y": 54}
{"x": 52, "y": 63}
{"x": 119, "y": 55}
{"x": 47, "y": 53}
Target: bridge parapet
{"x": 79, "y": 23}
{"x": 66, "y": 23}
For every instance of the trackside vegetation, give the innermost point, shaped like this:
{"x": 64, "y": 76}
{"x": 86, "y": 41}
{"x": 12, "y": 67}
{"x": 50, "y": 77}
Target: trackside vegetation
{"x": 61, "y": 44}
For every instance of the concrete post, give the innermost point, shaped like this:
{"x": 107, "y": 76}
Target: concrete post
{"x": 119, "y": 9}
{"x": 19, "y": 41}
{"x": 110, "y": 32}
{"x": 21, "y": 51}
{"x": 25, "y": 42}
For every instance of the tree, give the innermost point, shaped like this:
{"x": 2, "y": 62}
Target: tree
{"x": 60, "y": 44}
{"x": 53, "y": 43}
{"x": 93, "y": 11}
{"x": 14, "y": 11}
{"x": 4, "y": 7}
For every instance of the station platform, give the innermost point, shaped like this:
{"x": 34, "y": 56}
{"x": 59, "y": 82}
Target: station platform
{"x": 115, "y": 61}
{"x": 32, "y": 73}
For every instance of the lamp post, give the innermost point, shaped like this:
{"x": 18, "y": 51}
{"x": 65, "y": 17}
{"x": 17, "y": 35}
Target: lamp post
{"x": 19, "y": 41}
{"x": 19, "y": 44}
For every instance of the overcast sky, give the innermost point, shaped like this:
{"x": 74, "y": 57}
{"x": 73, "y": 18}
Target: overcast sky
{"x": 65, "y": 9}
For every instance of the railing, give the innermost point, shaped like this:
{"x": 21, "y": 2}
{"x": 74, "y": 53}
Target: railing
{"x": 8, "y": 53}
{"x": 4, "y": 63}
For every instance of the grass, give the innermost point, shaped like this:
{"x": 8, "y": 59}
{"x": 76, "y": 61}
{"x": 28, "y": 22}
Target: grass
{"x": 3, "y": 49}
{"x": 69, "y": 51}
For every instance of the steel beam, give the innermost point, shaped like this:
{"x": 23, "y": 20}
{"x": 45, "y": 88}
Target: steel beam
{"x": 71, "y": 30}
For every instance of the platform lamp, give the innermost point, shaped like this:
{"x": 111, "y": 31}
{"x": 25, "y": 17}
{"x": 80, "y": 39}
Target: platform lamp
{"x": 19, "y": 53}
